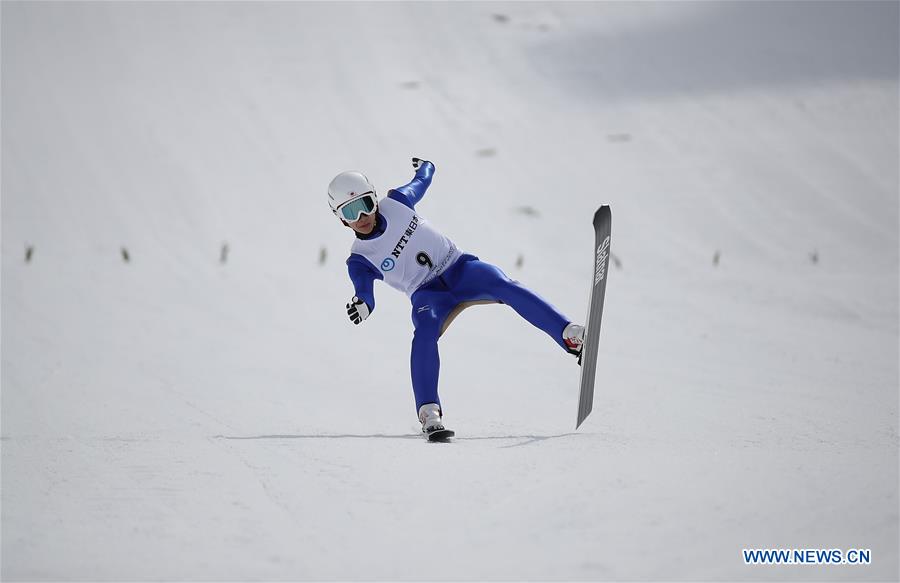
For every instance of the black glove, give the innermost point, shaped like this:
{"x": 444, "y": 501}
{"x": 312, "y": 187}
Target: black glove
{"x": 358, "y": 310}
{"x": 418, "y": 163}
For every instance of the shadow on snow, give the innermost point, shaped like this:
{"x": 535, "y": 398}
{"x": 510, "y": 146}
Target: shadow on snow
{"x": 529, "y": 439}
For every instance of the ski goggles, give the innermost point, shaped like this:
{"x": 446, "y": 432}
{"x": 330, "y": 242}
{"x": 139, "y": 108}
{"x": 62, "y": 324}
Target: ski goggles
{"x": 364, "y": 205}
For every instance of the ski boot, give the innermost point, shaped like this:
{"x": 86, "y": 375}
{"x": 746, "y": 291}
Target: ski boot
{"x": 573, "y": 336}
{"x": 432, "y": 425}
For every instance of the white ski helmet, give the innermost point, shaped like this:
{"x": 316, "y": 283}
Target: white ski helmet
{"x": 348, "y": 186}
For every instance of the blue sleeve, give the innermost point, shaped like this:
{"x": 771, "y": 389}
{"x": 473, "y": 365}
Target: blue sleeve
{"x": 363, "y": 275}
{"x": 410, "y": 194}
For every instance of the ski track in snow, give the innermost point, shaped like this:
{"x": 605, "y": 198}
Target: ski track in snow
{"x": 176, "y": 418}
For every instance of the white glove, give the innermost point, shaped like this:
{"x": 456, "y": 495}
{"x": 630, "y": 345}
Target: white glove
{"x": 358, "y": 310}
{"x": 418, "y": 163}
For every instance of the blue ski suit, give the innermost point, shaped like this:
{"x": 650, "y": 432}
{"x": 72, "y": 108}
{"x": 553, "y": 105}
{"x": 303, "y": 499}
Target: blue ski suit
{"x": 468, "y": 279}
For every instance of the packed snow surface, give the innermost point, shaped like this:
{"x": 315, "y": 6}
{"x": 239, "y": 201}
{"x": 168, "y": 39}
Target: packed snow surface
{"x": 205, "y": 410}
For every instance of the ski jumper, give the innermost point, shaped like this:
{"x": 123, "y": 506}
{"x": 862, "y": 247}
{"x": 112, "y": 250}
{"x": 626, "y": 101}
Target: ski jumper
{"x": 407, "y": 253}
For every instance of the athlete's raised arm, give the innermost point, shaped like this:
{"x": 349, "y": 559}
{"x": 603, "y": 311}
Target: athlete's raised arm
{"x": 410, "y": 194}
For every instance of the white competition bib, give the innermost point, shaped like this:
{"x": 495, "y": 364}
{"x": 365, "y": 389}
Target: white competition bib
{"x": 410, "y": 253}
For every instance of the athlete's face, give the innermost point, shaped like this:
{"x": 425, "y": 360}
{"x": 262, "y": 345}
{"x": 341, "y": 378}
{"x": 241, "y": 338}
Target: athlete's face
{"x": 364, "y": 225}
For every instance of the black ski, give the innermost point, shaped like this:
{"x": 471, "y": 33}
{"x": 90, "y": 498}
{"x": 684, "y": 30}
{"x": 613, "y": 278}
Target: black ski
{"x": 440, "y": 435}
{"x": 588, "y": 358}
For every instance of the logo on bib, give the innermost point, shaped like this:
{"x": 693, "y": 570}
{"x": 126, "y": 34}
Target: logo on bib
{"x": 387, "y": 264}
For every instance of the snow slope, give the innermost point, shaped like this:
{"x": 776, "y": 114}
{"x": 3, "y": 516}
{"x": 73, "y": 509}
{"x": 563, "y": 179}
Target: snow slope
{"x": 174, "y": 417}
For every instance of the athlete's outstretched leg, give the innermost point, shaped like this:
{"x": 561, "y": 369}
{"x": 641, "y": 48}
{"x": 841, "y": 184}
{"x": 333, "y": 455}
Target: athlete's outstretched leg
{"x": 425, "y": 363}
{"x": 480, "y": 280}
